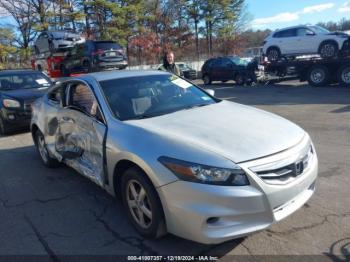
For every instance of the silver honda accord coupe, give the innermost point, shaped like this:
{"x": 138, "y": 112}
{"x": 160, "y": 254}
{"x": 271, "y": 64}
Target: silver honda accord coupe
{"x": 183, "y": 161}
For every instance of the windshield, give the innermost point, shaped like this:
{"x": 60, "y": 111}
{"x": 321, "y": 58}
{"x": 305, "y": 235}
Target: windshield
{"x": 238, "y": 61}
{"x": 319, "y": 30}
{"x": 107, "y": 46}
{"x": 150, "y": 96}
{"x": 183, "y": 66}
{"x": 28, "y": 80}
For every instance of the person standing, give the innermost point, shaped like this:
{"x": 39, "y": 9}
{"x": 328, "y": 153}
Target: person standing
{"x": 169, "y": 64}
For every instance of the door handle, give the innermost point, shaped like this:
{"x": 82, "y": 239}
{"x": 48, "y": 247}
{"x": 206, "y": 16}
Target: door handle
{"x": 68, "y": 120}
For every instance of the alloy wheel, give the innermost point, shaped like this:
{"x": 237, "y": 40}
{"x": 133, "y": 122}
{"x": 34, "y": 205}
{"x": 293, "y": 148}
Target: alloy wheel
{"x": 317, "y": 76}
{"x": 345, "y": 75}
{"x": 273, "y": 55}
{"x": 139, "y": 204}
{"x": 328, "y": 50}
{"x": 42, "y": 148}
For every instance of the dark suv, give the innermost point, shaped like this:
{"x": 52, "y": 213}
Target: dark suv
{"x": 18, "y": 90}
{"x": 93, "y": 56}
{"x": 228, "y": 68}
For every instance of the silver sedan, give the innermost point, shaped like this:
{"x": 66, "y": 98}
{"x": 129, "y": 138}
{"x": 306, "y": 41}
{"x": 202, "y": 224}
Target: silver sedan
{"x": 182, "y": 160}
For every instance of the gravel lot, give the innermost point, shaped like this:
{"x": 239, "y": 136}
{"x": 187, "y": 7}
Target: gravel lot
{"x": 58, "y": 212}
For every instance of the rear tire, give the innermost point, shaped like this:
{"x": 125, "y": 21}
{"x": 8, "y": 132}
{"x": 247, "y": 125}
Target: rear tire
{"x": 42, "y": 151}
{"x": 206, "y": 80}
{"x": 145, "y": 213}
{"x": 318, "y": 76}
{"x": 64, "y": 71}
{"x": 344, "y": 75}
{"x": 328, "y": 50}
{"x": 273, "y": 54}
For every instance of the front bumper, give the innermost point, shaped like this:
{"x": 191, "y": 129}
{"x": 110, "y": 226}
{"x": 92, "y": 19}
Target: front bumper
{"x": 213, "y": 214}
{"x": 110, "y": 65}
{"x": 15, "y": 118}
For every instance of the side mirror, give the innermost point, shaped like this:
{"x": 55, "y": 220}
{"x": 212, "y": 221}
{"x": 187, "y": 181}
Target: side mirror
{"x": 210, "y": 92}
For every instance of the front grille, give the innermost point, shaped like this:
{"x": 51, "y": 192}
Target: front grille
{"x": 287, "y": 173}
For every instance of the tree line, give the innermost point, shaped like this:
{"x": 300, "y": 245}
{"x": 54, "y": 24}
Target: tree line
{"x": 144, "y": 28}
{"x": 193, "y": 29}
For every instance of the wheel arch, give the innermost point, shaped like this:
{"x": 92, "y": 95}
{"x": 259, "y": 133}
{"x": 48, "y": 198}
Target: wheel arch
{"x": 33, "y": 129}
{"x": 125, "y": 163}
{"x": 273, "y": 46}
{"x": 327, "y": 41}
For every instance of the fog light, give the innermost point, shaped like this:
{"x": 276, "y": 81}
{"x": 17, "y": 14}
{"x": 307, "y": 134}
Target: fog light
{"x": 11, "y": 117}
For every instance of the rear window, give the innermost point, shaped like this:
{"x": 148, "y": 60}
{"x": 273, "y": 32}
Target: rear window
{"x": 107, "y": 46}
{"x": 28, "y": 80}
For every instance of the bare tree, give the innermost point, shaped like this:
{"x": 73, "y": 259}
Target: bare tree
{"x": 22, "y": 12}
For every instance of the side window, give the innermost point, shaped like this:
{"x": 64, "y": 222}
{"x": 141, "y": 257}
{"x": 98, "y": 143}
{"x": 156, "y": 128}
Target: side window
{"x": 217, "y": 63}
{"x": 81, "y": 97}
{"x": 289, "y": 33}
{"x": 227, "y": 63}
{"x": 304, "y": 32}
{"x": 56, "y": 96}
{"x": 286, "y": 33}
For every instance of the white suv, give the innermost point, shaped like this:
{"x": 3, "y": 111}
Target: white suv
{"x": 301, "y": 40}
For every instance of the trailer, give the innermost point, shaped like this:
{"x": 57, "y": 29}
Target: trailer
{"x": 49, "y": 63}
{"x": 315, "y": 70}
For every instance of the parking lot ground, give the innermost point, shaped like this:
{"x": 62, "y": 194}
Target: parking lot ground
{"x": 58, "y": 212}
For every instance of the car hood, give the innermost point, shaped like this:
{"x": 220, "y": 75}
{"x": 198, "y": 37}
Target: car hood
{"x": 24, "y": 94}
{"x": 338, "y": 33}
{"x": 237, "y": 132}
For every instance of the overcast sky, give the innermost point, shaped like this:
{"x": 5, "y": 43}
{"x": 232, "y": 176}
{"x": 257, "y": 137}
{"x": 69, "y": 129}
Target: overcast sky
{"x": 275, "y": 14}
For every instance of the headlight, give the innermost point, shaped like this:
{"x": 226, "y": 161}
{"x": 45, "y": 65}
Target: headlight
{"x": 205, "y": 174}
{"x": 10, "y": 103}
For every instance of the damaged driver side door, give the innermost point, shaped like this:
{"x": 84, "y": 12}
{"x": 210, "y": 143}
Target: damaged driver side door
{"x": 81, "y": 131}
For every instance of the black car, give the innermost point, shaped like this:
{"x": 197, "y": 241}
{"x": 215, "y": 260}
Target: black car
{"x": 18, "y": 90}
{"x": 93, "y": 56}
{"x": 228, "y": 68}
{"x": 187, "y": 71}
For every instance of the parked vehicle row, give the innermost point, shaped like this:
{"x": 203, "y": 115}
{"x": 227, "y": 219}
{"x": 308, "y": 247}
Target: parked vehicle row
{"x": 89, "y": 56}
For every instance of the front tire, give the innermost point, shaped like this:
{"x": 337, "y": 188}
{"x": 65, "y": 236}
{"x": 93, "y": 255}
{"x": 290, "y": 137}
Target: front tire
{"x": 206, "y": 80}
{"x": 240, "y": 80}
{"x": 142, "y": 204}
{"x": 273, "y": 54}
{"x": 3, "y": 129}
{"x": 42, "y": 151}
{"x": 328, "y": 50}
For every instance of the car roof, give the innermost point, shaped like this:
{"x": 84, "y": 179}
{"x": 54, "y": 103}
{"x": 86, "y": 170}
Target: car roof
{"x": 108, "y": 75}
{"x": 291, "y": 27}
